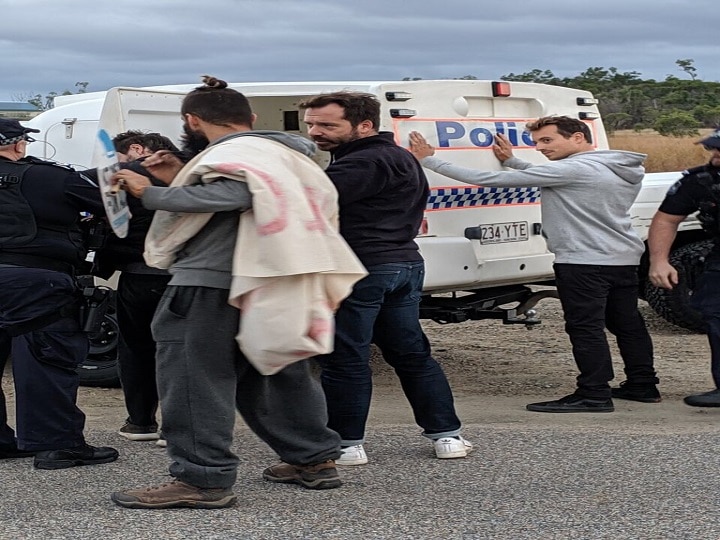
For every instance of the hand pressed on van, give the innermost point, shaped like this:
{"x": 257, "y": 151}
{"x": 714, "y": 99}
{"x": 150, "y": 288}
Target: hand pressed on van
{"x": 502, "y": 147}
{"x": 419, "y": 147}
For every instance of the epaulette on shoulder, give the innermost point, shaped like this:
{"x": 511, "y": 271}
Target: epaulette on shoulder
{"x": 696, "y": 170}
{"x": 37, "y": 161}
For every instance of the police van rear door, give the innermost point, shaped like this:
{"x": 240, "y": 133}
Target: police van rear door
{"x": 142, "y": 109}
{"x": 473, "y": 235}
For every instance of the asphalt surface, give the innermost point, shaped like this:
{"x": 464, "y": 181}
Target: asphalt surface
{"x": 643, "y": 472}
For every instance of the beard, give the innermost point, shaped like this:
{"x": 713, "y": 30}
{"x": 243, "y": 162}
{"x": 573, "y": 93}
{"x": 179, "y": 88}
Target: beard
{"x": 193, "y": 142}
{"x": 332, "y": 144}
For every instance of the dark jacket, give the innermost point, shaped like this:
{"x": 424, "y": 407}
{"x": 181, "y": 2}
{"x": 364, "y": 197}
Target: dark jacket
{"x": 382, "y": 195}
{"x": 698, "y": 189}
{"x": 126, "y": 254}
{"x": 56, "y": 195}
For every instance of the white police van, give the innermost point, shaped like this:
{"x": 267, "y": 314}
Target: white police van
{"x": 483, "y": 247}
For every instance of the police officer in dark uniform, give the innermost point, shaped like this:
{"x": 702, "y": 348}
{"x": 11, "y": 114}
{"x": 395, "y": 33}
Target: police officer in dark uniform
{"x": 41, "y": 247}
{"x": 697, "y": 190}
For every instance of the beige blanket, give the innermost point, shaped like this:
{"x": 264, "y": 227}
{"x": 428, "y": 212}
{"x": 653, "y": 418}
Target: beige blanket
{"x": 291, "y": 267}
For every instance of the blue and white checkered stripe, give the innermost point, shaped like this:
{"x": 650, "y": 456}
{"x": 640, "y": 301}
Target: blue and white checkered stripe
{"x": 468, "y": 197}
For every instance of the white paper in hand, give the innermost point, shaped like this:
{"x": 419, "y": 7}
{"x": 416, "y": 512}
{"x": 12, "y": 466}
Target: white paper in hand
{"x": 114, "y": 200}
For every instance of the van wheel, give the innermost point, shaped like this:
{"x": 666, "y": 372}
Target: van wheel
{"x": 674, "y": 305}
{"x": 100, "y": 368}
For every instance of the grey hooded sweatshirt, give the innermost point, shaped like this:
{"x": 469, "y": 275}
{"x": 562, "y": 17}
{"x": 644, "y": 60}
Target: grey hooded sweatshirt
{"x": 206, "y": 259}
{"x": 586, "y": 199}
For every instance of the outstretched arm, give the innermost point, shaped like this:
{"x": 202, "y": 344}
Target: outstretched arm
{"x": 550, "y": 174}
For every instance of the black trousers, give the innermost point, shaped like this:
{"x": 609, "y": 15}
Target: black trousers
{"x": 137, "y": 298}
{"x": 44, "y": 360}
{"x": 594, "y": 298}
{"x": 706, "y": 299}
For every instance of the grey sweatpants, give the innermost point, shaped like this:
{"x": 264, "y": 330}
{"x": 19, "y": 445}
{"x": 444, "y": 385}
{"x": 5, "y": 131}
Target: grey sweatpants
{"x": 202, "y": 377}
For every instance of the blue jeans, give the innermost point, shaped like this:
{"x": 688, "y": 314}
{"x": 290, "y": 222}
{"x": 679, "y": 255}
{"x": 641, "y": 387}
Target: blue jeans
{"x": 383, "y": 309}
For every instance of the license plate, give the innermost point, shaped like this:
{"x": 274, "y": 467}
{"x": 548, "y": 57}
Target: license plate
{"x": 499, "y": 233}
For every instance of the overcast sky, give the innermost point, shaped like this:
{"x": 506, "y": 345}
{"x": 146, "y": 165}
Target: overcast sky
{"x": 50, "y": 45}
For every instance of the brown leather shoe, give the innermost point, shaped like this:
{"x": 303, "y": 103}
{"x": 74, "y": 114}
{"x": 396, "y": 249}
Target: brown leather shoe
{"x": 319, "y": 476}
{"x": 175, "y": 494}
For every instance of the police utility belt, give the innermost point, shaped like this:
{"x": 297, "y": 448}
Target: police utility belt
{"x": 90, "y": 305}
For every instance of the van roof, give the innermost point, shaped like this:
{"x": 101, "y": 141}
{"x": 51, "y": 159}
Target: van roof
{"x": 299, "y": 87}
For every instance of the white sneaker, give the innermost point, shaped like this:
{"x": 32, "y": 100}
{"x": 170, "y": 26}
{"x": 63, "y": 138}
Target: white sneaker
{"x": 450, "y": 447}
{"x": 162, "y": 442}
{"x": 352, "y": 455}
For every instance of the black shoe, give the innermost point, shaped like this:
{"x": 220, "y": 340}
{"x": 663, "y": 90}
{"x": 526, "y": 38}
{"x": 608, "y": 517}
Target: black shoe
{"x": 136, "y": 432}
{"x": 707, "y": 399}
{"x": 12, "y": 452}
{"x": 645, "y": 393}
{"x": 74, "y": 457}
{"x": 573, "y": 403}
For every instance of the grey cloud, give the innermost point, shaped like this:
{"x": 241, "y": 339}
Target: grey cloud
{"x": 138, "y": 43}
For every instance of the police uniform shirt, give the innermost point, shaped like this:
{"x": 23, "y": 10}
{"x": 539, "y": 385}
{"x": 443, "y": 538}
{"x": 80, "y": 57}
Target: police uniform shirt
{"x": 56, "y": 195}
{"x": 686, "y": 195}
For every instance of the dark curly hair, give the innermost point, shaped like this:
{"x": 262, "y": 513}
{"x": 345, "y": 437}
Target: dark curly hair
{"x": 151, "y": 141}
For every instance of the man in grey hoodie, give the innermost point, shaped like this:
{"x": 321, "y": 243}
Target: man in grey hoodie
{"x": 202, "y": 375}
{"x": 586, "y": 197}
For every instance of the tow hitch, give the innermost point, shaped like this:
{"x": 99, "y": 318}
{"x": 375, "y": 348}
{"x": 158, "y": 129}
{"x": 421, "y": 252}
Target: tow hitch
{"x": 486, "y": 304}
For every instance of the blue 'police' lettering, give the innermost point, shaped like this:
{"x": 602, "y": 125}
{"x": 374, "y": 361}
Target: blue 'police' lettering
{"x": 447, "y": 131}
{"x": 480, "y": 134}
{"x": 481, "y": 137}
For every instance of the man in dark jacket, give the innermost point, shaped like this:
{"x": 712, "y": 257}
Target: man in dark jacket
{"x": 139, "y": 290}
{"x": 382, "y": 195}
{"x": 40, "y": 249}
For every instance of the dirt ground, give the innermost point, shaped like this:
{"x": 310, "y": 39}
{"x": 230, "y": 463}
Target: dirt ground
{"x": 490, "y": 358}
{"x": 496, "y": 369}
{"x": 487, "y": 358}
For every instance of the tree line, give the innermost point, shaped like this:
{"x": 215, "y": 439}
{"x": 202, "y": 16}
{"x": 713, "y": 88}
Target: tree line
{"x": 674, "y": 106}
{"x": 43, "y": 103}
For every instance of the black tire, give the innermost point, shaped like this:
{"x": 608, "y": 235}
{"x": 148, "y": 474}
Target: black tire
{"x": 100, "y": 368}
{"x": 674, "y": 305}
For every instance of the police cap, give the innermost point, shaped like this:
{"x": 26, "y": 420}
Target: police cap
{"x": 12, "y": 131}
{"x": 712, "y": 141}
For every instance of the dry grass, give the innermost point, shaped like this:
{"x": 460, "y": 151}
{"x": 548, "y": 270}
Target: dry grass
{"x": 664, "y": 153}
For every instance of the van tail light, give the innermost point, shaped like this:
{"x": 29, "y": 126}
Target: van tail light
{"x": 501, "y": 89}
